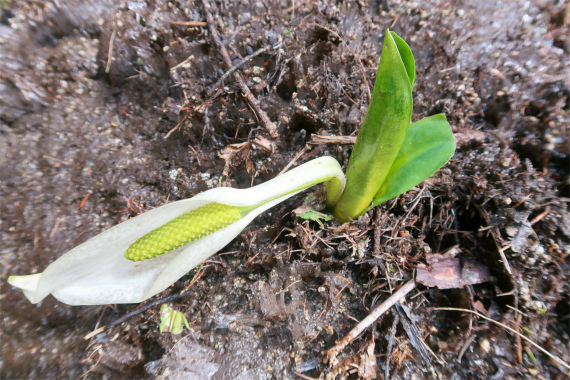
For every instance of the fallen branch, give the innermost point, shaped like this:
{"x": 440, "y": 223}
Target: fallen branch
{"x": 494, "y": 233}
{"x": 415, "y": 337}
{"x": 267, "y": 123}
{"x": 236, "y": 67}
{"x": 552, "y": 356}
{"x": 330, "y": 355}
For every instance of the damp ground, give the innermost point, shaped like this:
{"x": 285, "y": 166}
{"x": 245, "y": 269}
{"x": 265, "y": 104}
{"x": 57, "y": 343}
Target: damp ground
{"x": 107, "y": 109}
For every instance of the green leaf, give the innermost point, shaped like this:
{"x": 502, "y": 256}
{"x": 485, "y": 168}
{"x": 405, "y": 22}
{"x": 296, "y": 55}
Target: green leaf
{"x": 428, "y": 145}
{"x": 383, "y": 130}
{"x": 307, "y": 212}
{"x": 178, "y": 323}
{"x": 407, "y": 57}
{"x": 531, "y": 356}
{"x": 316, "y": 216}
{"x": 172, "y": 320}
{"x": 165, "y": 316}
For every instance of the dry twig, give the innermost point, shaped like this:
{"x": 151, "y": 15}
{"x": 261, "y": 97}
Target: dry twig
{"x": 236, "y": 67}
{"x": 201, "y": 108}
{"x": 174, "y": 68}
{"x": 494, "y": 233}
{"x": 341, "y": 140}
{"x": 267, "y": 123}
{"x": 110, "y": 57}
{"x": 94, "y": 332}
{"x": 93, "y": 367}
{"x": 188, "y": 23}
{"x": 552, "y": 356}
{"x": 330, "y": 355}
{"x": 178, "y": 125}
{"x": 292, "y": 162}
{"x": 465, "y": 347}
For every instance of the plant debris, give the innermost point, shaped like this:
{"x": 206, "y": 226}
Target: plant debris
{"x": 450, "y": 272}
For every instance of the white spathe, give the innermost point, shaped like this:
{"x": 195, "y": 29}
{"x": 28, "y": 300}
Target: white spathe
{"x": 97, "y": 273}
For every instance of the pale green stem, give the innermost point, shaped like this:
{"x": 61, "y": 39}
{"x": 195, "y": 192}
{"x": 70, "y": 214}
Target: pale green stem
{"x": 334, "y": 187}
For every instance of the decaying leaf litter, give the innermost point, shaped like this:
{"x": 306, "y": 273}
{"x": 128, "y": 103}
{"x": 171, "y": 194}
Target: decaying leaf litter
{"x": 287, "y": 290}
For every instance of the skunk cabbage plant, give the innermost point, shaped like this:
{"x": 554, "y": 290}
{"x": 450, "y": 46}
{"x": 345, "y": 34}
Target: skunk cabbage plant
{"x": 144, "y": 255}
{"x": 97, "y": 271}
{"x": 391, "y": 156}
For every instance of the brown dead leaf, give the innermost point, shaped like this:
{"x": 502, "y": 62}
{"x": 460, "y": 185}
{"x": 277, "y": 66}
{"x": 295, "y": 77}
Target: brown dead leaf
{"x": 478, "y": 305}
{"x": 230, "y": 151}
{"x": 262, "y": 143}
{"x": 449, "y": 272}
{"x": 340, "y": 370}
{"x": 303, "y": 209}
{"x": 250, "y": 167}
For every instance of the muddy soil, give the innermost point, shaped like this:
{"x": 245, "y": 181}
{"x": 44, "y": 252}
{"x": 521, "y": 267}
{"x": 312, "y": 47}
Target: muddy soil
{"x": 107, "y": 110}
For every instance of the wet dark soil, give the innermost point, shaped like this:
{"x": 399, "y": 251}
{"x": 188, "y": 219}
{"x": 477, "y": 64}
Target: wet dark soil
{"x": 105, "y": 111}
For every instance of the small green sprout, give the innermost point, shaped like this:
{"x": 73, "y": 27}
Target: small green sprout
{"x": 307, "y": 212}
{"x": 531, "y": 356}
{"x": 172, "y": 320}
{"x": 316, "y": 216}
